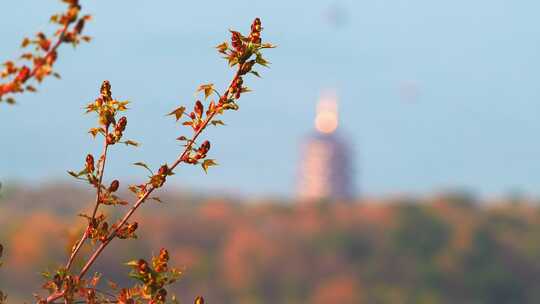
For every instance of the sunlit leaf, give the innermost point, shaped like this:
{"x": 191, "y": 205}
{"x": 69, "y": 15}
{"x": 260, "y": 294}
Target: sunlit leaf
{"x": 268, "y": 46}
{"x": 132, "y": 263}
{"x": 207, "y": 163}
{"x": 95, "y": 131}
{"x": 207, "y": 88}
{"x": 217, "y": 122}
{"x": 141, "y": 164}
{"x": 131, "y": 143}
{"x": 260, "y": 60}
{"x": 157, "y": 199}
{"x": 25, "y": 42}
{"x": 178, "y": 112}
{"x": 223, "y": 47}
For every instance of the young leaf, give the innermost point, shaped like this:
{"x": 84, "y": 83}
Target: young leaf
{"x": 73, "y": 174}
{"x": 208, "y": 163}
{"x": 178, "y": 112}
{"x": 268, "y": 46}
{"x": 95, "y": 131}
{"x": 157, "y": 199}
{"x": 260, "y": 60}
{"x": 222, "y": 48}
{"x": 131, "y": 143}
{"x": 216, "y": 122}
{"x": 132, "y": 263}
{"x": 141, "y": 164}
{"x": 207, "y": 88}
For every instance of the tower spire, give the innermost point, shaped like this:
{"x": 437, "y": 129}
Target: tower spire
{"x": 325, "y": 168}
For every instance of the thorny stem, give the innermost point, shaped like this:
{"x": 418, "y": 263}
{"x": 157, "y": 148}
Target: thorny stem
{"x": 101, "y": 169}
{"x": 149, "y": 191}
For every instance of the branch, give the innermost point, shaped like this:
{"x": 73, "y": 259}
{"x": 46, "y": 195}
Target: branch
{"x": 101, "y": 170}
{"x": 147, "y": 193}
{"x": 242, "y": 50}
{"x": 71, "y": 26}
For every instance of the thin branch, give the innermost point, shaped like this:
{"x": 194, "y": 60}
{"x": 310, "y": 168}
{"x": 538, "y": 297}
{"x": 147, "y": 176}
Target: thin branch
{"x": 149, "y": 191}
{"x": 101, "y": 169}
{"x": 51, "y": 51}
{"x": 143, "y": 198}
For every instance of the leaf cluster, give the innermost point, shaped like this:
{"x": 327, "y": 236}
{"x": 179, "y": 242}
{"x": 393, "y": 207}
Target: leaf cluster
{"x": 41, "y": 53}
{"x": 152, "y": 278}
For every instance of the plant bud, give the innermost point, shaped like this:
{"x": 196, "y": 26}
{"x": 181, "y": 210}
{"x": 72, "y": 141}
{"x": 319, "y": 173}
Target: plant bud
{"x": 106, "y": 89}
{"x": 122, "y": 123}
{"x": 114, "y": 185}
{"x": 164, "y": 255}
{"x": 23, "y": 75}
{"x": 90, "y": 163}
{"x": 132, "y": 227}
{"x": 110, "y": 139}
{"x": 163, "y": 170}
{"x": 79, "y": 26}
{"x": 142, "y": 266}
{"x": 199, "y": 108}
{"x": 236, "y": 41}
{"x": 205, "y": 147}
{"x": 256, "y": 25}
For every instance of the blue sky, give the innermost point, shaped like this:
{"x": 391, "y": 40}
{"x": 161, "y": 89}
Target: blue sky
{"x": 474, "y": 66}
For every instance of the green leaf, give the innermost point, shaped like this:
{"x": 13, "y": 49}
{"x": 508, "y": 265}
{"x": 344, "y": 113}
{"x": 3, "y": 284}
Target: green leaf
{"x": 131, "y": 143}
{"x": 157, "y": 199}
{"x": 260, "y": 60}
{"x": 178, "y": 112}
{"x": 255, "y": 73}
{"x": 217, "y": 122}
{"x": 132, "y": 263}
{"x": 73, "y": 174}
{"x": 207, "y": 88}
{"x": 46, "y": 274}
{"x": 141, "y": 164}
{"x": 78, "y": 174}
{"x": 207, "y": 163}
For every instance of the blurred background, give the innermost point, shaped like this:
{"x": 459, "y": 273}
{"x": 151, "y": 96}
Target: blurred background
{"x": 387, "y": 156}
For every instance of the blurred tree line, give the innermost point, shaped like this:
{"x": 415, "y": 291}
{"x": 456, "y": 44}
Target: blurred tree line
{"x": 443, "y": 249}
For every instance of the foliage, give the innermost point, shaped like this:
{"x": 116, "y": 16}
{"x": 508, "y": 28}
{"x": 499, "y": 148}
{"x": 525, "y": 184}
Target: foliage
{"x": 42, "y": 52}
{"x": 65, "y": 283}
{"x": 235, "y": 251}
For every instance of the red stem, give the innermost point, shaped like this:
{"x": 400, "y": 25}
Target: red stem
{"x": 101, "y": 169}
{"x": 143, "y": 198}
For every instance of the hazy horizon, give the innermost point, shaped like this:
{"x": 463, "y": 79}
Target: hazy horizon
{"x": 433, "y": 96}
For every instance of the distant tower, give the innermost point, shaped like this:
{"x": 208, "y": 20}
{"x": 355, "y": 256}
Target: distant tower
{"x": 326, "y": 170}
